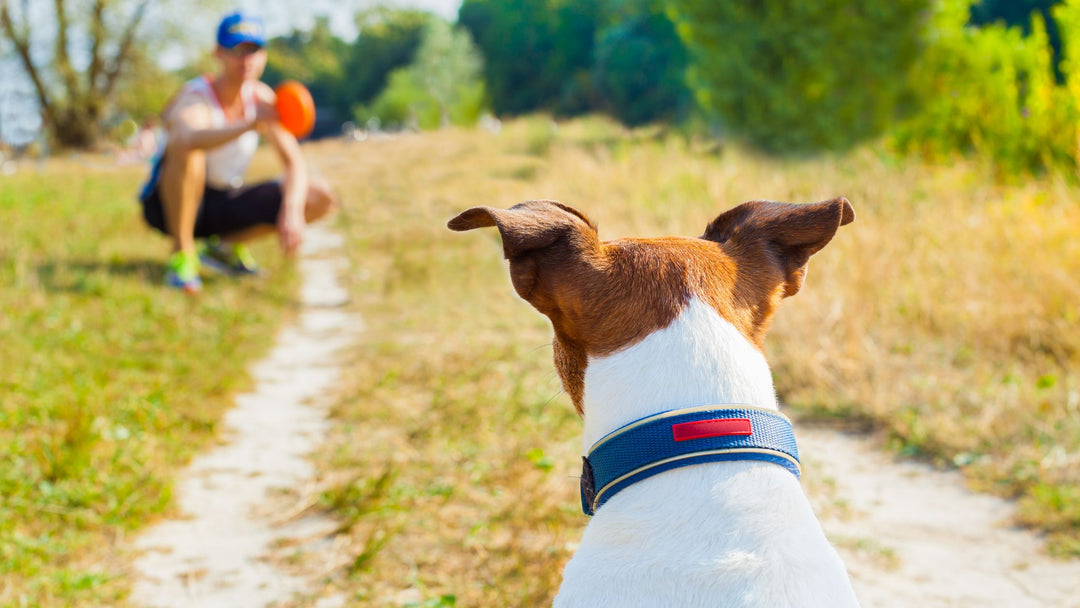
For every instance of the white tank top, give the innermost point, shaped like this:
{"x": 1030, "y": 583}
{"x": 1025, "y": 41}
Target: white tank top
{"x": 226, "y": 164}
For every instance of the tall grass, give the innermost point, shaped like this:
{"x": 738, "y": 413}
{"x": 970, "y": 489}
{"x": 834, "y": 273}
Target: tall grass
{"x": 108, "y": 381}
{"x": 945, "y": 314}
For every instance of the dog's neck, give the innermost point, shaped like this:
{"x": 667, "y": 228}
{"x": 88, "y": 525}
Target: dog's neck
{"x": 699, "y": 359}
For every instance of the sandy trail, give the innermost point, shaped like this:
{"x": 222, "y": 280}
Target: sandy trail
{"x": 914, "y": 536}
{"x": 216, "y": 556}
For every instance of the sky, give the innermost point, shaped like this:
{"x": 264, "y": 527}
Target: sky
{"x": 283, "y": 16}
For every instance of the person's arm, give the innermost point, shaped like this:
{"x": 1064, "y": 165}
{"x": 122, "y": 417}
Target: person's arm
{"x": 187, "y": 120}
{"x": 291, "y": 221}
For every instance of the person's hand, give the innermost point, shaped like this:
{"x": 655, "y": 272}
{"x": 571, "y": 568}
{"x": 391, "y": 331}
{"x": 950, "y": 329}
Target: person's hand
{"x": 291, "y": 231}
{"x": 265, "y": 114}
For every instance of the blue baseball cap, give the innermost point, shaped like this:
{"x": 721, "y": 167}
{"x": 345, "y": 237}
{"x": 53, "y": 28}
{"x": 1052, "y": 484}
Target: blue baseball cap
{"x": 239, "y": 27}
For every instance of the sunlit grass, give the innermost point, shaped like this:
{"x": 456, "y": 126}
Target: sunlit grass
{"x": 108, "y": 381}
{"x": 945, "y": 314}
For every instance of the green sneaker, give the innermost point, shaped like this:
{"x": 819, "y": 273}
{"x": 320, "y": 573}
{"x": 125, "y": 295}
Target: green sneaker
{"x": 183, "y": 272}
{"x": 228, "y": 259}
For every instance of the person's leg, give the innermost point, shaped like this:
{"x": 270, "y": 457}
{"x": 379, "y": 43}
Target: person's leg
{"x": 231, "y": 218}
{"x": 248, "y": 234}
{"x": 319, "y": 202}
{"x": 173, "y": 207}
{"x": 181, "y": 187}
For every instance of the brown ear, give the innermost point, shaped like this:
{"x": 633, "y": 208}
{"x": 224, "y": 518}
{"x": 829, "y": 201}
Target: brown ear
{"x": 526, "y": 226}
{"x": 789, "y": 233}
{"x": 532, "y": 227}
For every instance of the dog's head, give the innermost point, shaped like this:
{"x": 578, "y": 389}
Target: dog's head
{"x": 603, "y": 296}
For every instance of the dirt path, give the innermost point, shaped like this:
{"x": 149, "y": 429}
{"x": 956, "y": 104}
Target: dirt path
{"x": 216, "y": 556}
{"x": 913, "y": 536}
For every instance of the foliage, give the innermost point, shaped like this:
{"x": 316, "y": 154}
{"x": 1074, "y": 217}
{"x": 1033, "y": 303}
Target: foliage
{"x": 1018, "y": 13}
{"x": 989, "y": 91}
{"x": 1011, "y": 12}
{"x": 1068, "y": 17}
{"x": 446, "y": 63}
{"x": 388, "y": 40}
{"x": 537, "y": 53}
{"x": 403, "y": 103}
{"x": 441, "y": 86}
{"x": 791, "y": 75}
{"x": 639, "y": 69}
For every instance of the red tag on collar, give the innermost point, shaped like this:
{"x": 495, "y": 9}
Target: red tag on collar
{"x": 719, "y": 427}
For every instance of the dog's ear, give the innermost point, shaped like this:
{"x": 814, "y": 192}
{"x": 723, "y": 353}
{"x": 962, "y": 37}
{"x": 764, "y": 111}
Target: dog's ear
{"x": 787, "y": 234}
{"x": 526, "y": 226}
{"x": 531, "y": 228}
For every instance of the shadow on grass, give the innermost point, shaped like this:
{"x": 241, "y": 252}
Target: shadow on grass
{"x": 90, "y": 276}
{"x": 98, "y": 277}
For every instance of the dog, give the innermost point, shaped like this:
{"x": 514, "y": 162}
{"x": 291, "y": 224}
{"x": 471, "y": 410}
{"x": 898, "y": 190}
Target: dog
{"x": 690, "y": 472}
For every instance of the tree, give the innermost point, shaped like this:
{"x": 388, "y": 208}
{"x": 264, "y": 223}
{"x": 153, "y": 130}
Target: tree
{"x": 639, "y": 74}
{"x": 74, "y": 110}
{"x": 76, "y": 53}
{"x": 442, "y": 85}
{"x": 388, "y": 40}
{"x": 790, "y": 75}
{"x": 446, "y": 63}
{"x": 537, "y": 53}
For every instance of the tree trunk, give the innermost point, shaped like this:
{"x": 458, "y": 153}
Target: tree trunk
{"x": 75, "y": 128}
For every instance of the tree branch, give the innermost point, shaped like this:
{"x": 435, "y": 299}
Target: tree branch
{"x": 97, "y": 39}
{"x": 21, "y": 40}
{"x": 123, "y": 54}
{"x": 61, "y": 59}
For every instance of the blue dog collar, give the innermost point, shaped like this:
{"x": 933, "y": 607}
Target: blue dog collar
{"x": 680, "y": 438}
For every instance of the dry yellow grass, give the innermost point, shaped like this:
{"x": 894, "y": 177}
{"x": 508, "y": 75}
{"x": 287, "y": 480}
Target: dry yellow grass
{"x": 945, "y": 314}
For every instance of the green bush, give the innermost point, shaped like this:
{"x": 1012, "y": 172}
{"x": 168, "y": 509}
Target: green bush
{"x": 537, "y": 53}
{"x": 790, "y": 75}
{"x": 988, "y": 91}
{"x": 639, "y": 70}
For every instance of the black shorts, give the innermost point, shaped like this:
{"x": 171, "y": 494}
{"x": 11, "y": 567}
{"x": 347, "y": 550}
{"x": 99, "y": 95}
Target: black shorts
{"x": 223, "y": 212}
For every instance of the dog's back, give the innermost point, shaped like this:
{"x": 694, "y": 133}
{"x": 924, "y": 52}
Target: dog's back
{"x": 645, "y": 326}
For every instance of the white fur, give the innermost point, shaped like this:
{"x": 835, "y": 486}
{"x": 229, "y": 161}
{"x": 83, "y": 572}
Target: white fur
{"x": 735, "y": 534}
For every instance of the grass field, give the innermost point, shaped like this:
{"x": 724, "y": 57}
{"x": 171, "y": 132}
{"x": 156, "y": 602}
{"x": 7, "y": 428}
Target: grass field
{"x": 108, "y": 381}
{"x": 944, "y": 316}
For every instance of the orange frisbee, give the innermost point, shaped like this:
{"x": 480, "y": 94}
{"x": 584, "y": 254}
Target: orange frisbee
{"x": 295, "y": 108}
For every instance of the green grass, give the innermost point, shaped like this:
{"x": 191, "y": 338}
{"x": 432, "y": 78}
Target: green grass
{"x": 108, "y": 380}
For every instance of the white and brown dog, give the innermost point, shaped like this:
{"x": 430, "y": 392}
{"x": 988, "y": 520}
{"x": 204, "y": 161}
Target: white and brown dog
{"x": 659, "y": 344}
